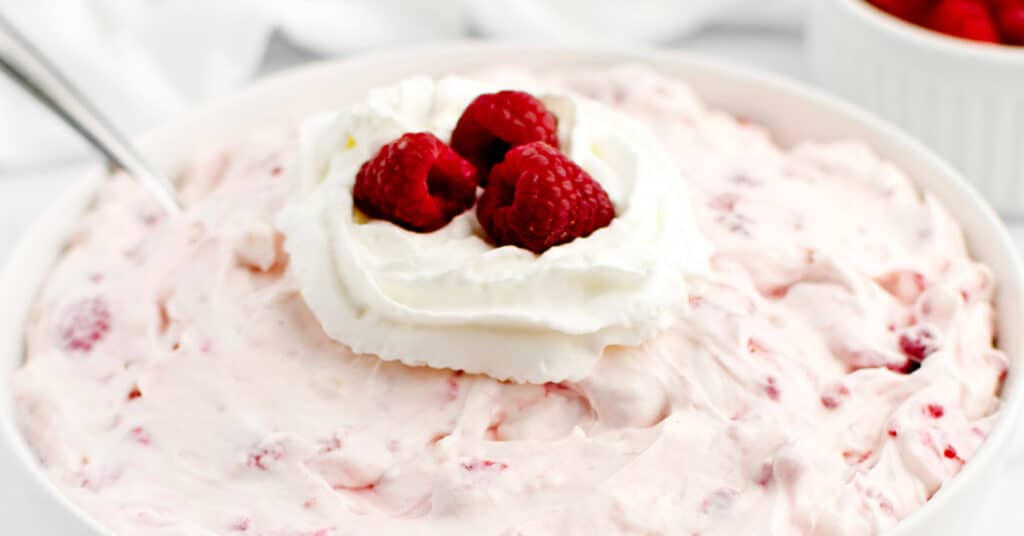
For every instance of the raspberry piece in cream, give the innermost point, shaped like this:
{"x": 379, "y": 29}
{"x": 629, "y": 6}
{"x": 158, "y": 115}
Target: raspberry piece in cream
{"x": 918, "y": 342}
{"x": 83, "y": 325}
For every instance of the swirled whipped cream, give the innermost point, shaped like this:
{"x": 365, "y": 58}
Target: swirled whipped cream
{"x": 451, "y": 299}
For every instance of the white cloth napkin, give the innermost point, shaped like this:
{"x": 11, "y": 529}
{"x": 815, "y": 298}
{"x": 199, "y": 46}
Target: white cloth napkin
{"x": 142, "y": 61}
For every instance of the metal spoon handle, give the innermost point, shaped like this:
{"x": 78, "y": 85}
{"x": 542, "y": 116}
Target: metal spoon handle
{"x": 30, "y": 68}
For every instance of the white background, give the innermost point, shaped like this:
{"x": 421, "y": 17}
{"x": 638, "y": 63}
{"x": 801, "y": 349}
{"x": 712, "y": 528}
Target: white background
{"x": 25, "y": 192}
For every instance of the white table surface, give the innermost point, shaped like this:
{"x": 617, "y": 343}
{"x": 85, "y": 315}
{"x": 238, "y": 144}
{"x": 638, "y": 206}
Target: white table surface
{"x": 24, "y": 193}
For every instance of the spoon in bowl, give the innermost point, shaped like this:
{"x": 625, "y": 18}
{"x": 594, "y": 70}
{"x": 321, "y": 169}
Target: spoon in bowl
{"x": 20, "y": 59}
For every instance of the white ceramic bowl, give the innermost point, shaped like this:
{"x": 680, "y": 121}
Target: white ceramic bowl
{"x": 963, "y": 99}
{"x": 791, "y": 111}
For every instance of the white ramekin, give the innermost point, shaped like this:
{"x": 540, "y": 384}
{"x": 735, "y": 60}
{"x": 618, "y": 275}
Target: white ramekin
{"x": 963, "y": 99}
{"x": 793, "y": 112}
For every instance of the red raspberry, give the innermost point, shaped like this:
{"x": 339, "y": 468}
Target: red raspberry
{"x": 1003, "y": 4}
{"x": 1011, "y": 22}
{"x": 910, "y": 10}
{"x": 83, "y": 324}
{"x": 968, "y": 19}
{"x": 496, "y": 122}
{"x": 416, "y": 182}
{"x": 538, "y": 198}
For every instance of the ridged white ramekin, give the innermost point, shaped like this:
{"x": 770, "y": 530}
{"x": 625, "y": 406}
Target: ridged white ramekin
{"x": 964, "y": 99}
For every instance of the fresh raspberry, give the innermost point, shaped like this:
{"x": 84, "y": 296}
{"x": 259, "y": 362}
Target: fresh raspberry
{"x": 1011, "y": 21}
{"x": 538, "y": 198}
{"x": 83, "y": 324}
{"x": 494, "y": 123}
{"x": 909, "y": 10}
{"x": 416, "y": 182}
{"x": 968, "y": 19}
{"x": 918, "y": 342}
{"x": 998, "y": 5}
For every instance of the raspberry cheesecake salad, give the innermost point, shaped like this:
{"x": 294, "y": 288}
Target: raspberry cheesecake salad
{"x": 519, "y": 304}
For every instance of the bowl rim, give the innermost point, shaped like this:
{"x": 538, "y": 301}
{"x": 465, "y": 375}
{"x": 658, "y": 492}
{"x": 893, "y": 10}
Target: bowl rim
{"x": 82, "y": 191}
{"x": 922, "y": 37}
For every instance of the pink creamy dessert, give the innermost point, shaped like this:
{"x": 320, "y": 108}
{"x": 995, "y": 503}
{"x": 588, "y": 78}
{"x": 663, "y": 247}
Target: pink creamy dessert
{"x": 833, "y": 366}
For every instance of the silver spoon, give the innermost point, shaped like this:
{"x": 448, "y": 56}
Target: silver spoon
{"x": 30, "y": 68}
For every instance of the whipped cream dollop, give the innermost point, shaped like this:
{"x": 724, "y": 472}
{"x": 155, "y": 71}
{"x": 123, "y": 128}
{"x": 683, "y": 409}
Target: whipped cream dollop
{"x": 450, "y": 298}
